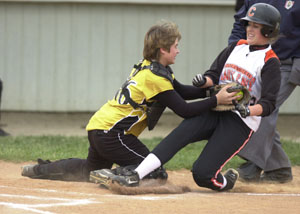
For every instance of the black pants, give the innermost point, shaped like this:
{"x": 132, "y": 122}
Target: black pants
{"x": 105, "y": 150}
{"x": 226, "y": 133}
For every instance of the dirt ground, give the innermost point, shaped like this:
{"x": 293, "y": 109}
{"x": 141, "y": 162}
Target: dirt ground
{"x": 19, "y": 195}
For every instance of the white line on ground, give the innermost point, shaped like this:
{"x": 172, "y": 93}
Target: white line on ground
{"x": 274, "y": 194}
{"x": 33, "y": 207}
{"x": 24, "y": 207}
{"x": 158, "y": 196}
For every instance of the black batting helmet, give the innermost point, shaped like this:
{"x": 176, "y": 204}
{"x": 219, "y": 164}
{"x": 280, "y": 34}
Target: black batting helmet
{"x": 264, "y": 14}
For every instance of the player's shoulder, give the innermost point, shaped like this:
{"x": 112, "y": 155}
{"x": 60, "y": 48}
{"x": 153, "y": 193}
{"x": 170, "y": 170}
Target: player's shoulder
{"x": 270, "y": 54}
{"x": 242, "y": 42}
{"x": 157, "y": 72}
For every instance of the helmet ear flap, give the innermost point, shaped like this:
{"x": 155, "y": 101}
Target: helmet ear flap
{"x": 267, "y": 32}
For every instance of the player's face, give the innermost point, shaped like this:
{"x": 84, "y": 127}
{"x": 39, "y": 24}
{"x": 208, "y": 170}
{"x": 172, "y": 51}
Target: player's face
{"x": 169, "y": 57}
{"x": 254, "y": 36}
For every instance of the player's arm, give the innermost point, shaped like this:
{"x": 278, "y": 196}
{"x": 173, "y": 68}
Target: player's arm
{"x": 271, "y": 79}
{"x": 179, "y": 106}
{"x": 256, "y": 110}
{"x": 175, "y": 102}
{"x": 188, "y": 92}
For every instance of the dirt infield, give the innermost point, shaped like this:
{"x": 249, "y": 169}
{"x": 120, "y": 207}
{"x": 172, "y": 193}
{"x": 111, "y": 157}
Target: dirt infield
{"x": 19, "y": 195}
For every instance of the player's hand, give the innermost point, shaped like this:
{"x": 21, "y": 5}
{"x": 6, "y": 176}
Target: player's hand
{"x": 226, "y": 98}
{"x": 242, "y": 109}
{"x": 199, "y": 80}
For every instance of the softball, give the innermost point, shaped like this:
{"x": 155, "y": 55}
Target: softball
{"x": 238, "y": 94}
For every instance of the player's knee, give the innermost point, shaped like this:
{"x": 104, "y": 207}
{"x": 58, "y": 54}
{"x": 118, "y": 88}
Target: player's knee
{"x": 204, "y": 181}
{"x": 203, "y": 177}
{"x": 201, "y": 180}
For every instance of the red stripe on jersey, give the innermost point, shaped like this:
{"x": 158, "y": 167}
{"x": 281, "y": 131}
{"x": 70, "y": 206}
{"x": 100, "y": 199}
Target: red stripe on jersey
{"x": 242, "y": 42}
{"x": 215, "y": 182}
{"x": 270, "y": 54}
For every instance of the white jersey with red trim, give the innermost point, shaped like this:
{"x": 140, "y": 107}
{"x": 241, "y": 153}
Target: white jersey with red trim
{"x": 245, "y": 67}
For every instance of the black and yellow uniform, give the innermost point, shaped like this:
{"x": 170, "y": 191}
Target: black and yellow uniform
{"x": 119, "y": 115}
{"x": 114, "y": 128}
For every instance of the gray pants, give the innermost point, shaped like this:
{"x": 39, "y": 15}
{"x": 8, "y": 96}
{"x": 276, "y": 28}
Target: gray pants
{"x": 264, "y": 148}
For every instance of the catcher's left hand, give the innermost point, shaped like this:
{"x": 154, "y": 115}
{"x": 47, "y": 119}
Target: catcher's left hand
{"x": 234, "y": 87}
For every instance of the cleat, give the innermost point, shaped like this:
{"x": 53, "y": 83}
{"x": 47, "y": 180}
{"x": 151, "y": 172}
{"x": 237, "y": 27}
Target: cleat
{"x": 105, "y": 177}
{"x": 129, "y": 179}
{"x": 159, "y": 173}
{"x": 122, "y": 170}
{"x": 231, "y": 176}
{"x": 102, "y": 177}
{"x": 28, "y": 171}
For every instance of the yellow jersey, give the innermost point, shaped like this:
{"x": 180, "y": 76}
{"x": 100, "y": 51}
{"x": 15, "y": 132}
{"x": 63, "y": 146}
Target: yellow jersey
{"x": 118, "y": 115}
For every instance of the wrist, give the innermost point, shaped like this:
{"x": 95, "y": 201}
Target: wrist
{"x": 248, "y": 111}
{"x": 215, "y": 100}
{"x": 204, "y": 81}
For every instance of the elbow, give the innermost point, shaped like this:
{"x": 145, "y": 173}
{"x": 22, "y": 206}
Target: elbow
{"x": 183, "y": 115}
{"x": 183, "y": 112}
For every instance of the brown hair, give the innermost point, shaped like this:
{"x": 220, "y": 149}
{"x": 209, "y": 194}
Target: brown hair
{"x": 161, "y": 35}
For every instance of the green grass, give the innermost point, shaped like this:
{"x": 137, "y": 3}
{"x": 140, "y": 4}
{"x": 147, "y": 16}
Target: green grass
{"x": 23, "y": 149}
{"x": 20, "y": 149}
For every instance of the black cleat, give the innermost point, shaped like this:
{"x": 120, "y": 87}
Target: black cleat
{"x": 159, "y": 173}
{"x": 231, "y": 176}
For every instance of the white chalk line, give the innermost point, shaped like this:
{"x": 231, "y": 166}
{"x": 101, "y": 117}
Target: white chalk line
{"x": 33, "y": 207}
{"x": 47, "y": 190}
{"x": 139, "y": 197}
{"x": 274, "y": 194}
{"x": 24, "y": 207}
{"x": 257, "y": 194}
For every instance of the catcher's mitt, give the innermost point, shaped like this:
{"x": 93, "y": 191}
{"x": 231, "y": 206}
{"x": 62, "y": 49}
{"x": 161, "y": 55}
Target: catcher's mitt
{"x": 235, "y": 87}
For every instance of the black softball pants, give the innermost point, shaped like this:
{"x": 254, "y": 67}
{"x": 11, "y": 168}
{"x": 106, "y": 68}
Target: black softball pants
{"x": 226, "y": 135}
{"x": 106, "y": 148}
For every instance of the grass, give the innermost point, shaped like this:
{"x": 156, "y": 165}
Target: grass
{"x": 24, "y": 149}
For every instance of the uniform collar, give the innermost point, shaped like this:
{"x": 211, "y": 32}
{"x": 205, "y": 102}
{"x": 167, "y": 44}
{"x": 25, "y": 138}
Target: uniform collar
{"x": 258, "y": 47}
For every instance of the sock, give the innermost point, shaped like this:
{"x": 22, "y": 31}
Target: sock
{"x": 224, "y": 183}
{"x": 149, "y": 164}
